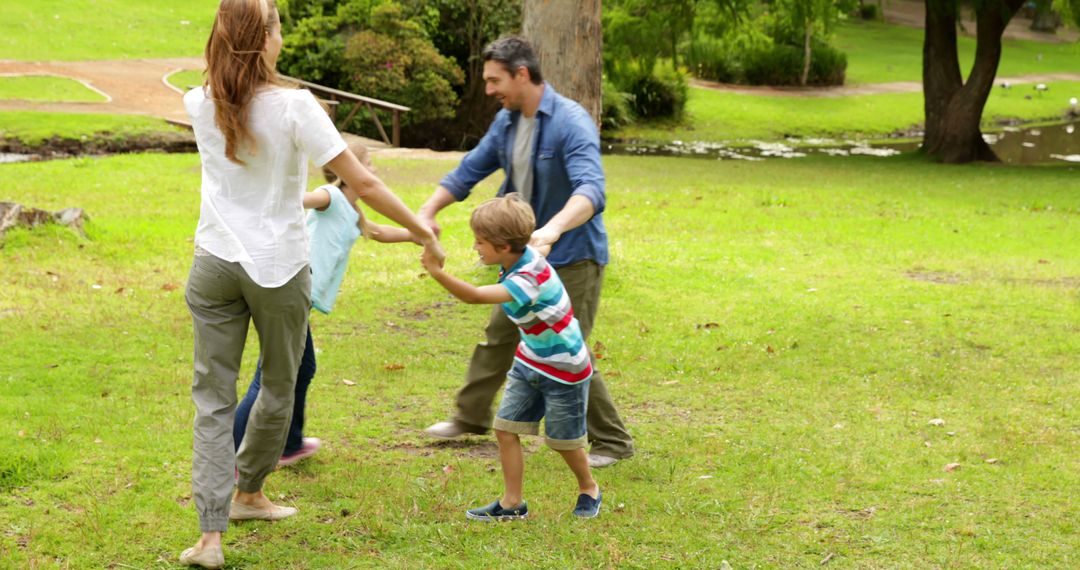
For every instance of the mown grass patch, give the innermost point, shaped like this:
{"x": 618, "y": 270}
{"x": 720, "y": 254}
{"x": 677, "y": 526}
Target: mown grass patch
{"x": 34, "y": 127}
{"x": 883, "y": 53}
{"x": 75, "y": 30}
{"x": 778, "y": 337}
{"x": 186, "y": 79}
{"x": 47, "y": 88}
{"x": 722, "y": 116}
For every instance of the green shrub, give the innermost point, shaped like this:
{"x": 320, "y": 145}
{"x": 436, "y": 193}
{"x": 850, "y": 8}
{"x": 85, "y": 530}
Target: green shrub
{"x": 661, "y": 93}
{"x": 828, "y": 66}
{"x": 782, "y": 64}
{"x": 777, "y": 64}
{"x": 616, "y": 110}
{"x": 371, "y": 48}
{"x": 712, "y": 58}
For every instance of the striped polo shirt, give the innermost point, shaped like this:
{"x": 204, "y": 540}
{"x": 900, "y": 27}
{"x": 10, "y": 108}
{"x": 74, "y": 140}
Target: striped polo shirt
{"x": 551, "y": 341}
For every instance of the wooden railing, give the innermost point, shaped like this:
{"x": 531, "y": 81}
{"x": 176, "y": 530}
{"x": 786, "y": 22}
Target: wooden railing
{"x": 335, "y": 96}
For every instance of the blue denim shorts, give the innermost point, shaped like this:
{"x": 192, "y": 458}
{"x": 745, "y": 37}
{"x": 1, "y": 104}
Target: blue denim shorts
{"x": 531, "y": 396}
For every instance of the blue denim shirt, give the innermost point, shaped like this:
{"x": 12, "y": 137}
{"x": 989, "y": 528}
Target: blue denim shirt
{"x": 565, "y": 162}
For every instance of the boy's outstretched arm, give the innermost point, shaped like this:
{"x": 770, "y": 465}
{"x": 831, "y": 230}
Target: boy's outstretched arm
{"x": 467, "y": 292}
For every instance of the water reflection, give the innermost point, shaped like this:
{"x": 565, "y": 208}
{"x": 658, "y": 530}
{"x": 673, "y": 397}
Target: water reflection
{"x": 1013, "y": 145}
{"x": 8, "y": 157}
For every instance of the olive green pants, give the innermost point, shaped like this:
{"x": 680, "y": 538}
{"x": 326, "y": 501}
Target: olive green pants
{"x": 223, "y": 300}
{"x": 493, "y": 358}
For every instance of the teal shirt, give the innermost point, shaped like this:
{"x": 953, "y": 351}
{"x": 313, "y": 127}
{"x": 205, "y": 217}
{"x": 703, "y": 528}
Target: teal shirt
{"x": 331, "y": 234}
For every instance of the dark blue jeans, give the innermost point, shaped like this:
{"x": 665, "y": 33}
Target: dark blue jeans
{"x": 295, "y": 440}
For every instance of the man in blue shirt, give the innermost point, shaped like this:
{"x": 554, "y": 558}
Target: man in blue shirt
{"x": 549, "y": 148}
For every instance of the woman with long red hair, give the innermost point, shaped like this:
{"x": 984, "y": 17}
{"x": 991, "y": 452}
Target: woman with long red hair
{"x": 256, "y": 136}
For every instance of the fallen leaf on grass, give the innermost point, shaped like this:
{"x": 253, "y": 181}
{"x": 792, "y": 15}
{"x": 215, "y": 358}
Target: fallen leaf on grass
{"x": 119, "y": 291}
{"x": 669, "y": 383}
{"x": 52, "y": 366}
{"x": 936, "y": 422}
{"x": 708, "y": 326}
{"x": 769, "y": 349}
{"x": 599, "y": 349}
{"x": 993, "y": 460}
{"x": 170, "y": 287}
{"x": 348, "y": 382}
{"x": 612, "y": 373}
{"x": 394, "y": 366}
{"x": 952, "y": 467}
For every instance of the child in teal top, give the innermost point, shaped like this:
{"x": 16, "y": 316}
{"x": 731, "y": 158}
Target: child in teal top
{"x": 334, "y": 223}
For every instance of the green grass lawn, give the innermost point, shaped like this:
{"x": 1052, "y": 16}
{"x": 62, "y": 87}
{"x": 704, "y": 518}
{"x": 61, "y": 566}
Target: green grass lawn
{"x": 721, "y": 116}
{"x": 882, "y": 53}
{"x": 187, "y": 78}
{"x": 778, "y": 336}
{"x": 72, "y": 30}
{"x": 33, "y": 127}
{"x": 47, "y": 88}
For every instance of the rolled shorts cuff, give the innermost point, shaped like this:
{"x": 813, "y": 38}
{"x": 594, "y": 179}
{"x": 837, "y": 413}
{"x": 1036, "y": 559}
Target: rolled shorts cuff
{"x": 567, "y": 444}
{"x": 520, "y": 428}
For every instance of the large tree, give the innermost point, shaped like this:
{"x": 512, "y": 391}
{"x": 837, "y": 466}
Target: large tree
{"x": 954, "y": 107}
{"x": 566, "y": 36}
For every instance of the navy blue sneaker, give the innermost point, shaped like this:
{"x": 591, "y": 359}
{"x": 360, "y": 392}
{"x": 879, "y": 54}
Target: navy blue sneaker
{"x": 495, "y": 512}
{"x": 588, "y": 507}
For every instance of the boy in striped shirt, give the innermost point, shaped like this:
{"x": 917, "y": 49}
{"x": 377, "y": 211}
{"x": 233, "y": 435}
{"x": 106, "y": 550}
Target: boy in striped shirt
{"x": 551, "y": 372}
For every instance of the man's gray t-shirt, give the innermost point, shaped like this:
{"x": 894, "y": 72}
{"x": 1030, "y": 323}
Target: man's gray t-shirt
{"x": 521, "y": 164}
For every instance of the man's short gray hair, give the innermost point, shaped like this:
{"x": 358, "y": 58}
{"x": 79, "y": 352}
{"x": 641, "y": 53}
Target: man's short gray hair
{"x": 514, "y": 52}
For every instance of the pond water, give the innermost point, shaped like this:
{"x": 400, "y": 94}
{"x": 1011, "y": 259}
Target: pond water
{"x": 7, "y": 157}
{"x": 1013, "y": 145}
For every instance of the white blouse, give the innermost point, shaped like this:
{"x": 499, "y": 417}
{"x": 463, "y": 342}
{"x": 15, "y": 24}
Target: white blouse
{"x": 253, "y": 213}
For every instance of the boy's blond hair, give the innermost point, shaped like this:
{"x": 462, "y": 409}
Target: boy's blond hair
{"x": 504, "y": 221}
{"x": 361, "y": 152}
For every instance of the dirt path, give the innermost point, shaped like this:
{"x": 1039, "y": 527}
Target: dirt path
{"x": 136, "y": 86}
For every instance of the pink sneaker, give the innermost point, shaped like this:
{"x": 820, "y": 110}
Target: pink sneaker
{"x": 307, "y": 449}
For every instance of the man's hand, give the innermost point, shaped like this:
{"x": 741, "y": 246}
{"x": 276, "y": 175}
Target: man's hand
{"x": 440, "y": 199}
{"x": 429, "y": 219}
{"x": 543, "y": 238}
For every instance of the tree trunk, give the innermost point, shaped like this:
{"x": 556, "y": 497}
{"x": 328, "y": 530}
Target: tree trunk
{"x": 806, "y": 52}
{"x": 566, "y": 36}
{"x": 954, "y": 108}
